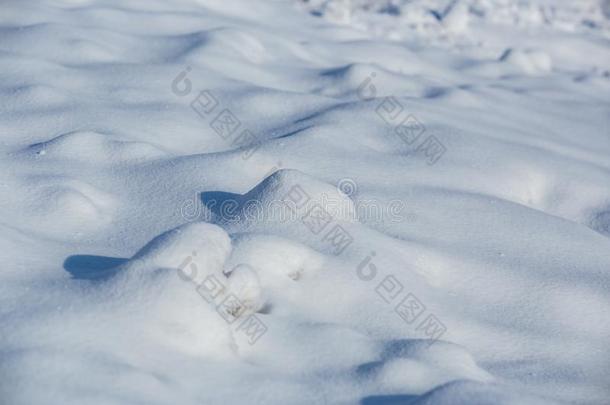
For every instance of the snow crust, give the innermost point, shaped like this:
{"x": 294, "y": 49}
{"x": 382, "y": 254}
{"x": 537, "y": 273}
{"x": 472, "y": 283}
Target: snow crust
{"x": 413, "y": 209}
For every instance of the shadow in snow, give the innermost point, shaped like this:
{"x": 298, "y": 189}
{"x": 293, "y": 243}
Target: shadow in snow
{"x": 388, "y": 400}
{"x": 89, "y": 267}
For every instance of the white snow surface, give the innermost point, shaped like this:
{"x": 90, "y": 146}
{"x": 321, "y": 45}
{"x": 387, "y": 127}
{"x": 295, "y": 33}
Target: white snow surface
{"x": 126, "y": 199}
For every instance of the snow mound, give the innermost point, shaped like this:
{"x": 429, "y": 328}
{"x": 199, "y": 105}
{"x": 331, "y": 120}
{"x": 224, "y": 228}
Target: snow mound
{"x": 56, "y": 201}
{"x": 470, "y": 392}
{"x": 94, "y": 147}
{"x": 225, "y": 43}
{"x": 243, "y": 281}
{"x": 416, "y": 366}
{"x": 284, "y": 258}
{"x": 279, "y": 201}
{"x": 529, "y": 61}
{"x": 197, "y": 250}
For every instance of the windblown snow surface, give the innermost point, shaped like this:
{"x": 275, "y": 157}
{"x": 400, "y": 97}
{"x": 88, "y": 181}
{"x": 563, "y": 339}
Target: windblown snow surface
{"x": 304, "y": 202}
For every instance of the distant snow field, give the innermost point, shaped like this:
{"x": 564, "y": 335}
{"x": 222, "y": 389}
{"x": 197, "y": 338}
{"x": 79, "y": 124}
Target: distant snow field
{"x": 304, "y": 202}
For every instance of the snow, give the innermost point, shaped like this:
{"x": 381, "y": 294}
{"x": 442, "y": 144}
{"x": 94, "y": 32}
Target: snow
{"x": 288, "y": 201}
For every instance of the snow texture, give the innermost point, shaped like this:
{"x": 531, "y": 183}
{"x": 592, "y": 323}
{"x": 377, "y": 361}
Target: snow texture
{"x": 304, "y": 202}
